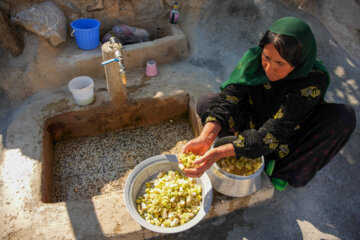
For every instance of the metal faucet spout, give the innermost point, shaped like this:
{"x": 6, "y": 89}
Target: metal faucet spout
{"x": 116, "y": 46}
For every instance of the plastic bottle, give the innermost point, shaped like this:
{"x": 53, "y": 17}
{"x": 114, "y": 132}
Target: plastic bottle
{"x": 174, "y": 14}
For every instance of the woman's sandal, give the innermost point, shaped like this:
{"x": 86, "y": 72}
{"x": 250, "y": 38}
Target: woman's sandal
{"x": 269, "y": 168}
{"x": 279, "y": 184}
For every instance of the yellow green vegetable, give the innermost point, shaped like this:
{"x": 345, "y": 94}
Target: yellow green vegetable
{"x": 243, "y": 166}
{"x": 170, "y": 200}
{"x": 187, "y": 160}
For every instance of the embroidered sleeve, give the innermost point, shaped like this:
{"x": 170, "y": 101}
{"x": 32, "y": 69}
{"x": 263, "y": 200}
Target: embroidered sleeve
{"x": 283, "y": 150}
{"x": 310, "y": 91}
{"x": 267, "y": 86}
{"x": 299, "y": 101}
{"x": 210, "y": 119}
{"x": 228, "y": 107}
{"x": 231, "y": 122}
{"x": 240, "y": 141}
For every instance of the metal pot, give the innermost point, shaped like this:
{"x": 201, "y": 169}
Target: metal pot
{"x": 147, "y": 170}
{"x": 231, "y": 184}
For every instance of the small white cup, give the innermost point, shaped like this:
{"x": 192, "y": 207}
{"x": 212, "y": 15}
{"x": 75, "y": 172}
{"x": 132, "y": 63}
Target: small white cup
{"x": 82, "y": 89}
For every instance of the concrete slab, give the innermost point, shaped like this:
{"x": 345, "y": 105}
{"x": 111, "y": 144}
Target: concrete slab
{"x": 72, "y": 61}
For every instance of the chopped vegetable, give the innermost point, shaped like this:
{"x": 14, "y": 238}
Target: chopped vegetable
{"x": 243, "y": 166}
{"x": 187, "y": 160}
{"x": 170, "y": 200}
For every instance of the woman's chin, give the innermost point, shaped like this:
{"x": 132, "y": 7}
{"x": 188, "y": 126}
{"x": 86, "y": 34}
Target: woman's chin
{"x": 273, "y": 79}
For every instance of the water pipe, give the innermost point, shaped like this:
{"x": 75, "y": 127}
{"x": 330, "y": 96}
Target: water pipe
{"x": 116, "y": 46}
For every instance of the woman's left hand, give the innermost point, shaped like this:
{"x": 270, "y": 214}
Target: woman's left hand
{"x": 208, "y": 159}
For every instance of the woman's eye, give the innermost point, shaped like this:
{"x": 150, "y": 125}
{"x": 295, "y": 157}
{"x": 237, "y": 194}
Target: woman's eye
{"x": 281, "y": 64}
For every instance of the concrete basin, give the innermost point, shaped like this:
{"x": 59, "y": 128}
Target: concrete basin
{"x": 27, "y": 177}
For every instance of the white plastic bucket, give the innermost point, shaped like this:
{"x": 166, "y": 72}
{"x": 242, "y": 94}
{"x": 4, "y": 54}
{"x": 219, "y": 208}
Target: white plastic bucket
{"x": 82, "y": 89}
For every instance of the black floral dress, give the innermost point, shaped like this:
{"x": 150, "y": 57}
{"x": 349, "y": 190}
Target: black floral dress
{"x": 286, "y": 120}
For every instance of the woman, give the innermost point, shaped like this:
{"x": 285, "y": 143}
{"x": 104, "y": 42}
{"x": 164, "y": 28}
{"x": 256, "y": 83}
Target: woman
{"x": 273, "y": 104}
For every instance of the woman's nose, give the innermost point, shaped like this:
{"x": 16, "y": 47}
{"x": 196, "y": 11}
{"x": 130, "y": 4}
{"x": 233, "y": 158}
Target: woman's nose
{"x": 269, "y": 68}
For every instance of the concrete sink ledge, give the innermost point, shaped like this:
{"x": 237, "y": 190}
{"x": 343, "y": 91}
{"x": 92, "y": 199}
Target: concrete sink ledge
{"x": 23, "y": 202}
{"x": 73, "y": 61}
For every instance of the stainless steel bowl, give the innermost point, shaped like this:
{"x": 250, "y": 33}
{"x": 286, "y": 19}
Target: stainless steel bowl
{"x": 231, "y": 184}
{"x": 148, "y": 169}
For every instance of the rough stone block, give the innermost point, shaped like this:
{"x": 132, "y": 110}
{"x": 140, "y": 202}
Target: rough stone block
{"x": 94, "y": 5}
{"x": 71, "y": 12}
{"x": 44, "y": 19}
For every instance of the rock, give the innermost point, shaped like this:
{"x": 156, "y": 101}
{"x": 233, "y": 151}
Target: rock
{"x": 347, "y": 13}
{"x": 340, "y": 18}
{"x": 123, "y": 10}
{"x": 71, "y": 12}
{"x": 44, "y": 19}
{"x": 147, "y": 9}
{"x": 94, "y": 5}
{"x": 10, "y": 38}
{"x": 5, "y": 7}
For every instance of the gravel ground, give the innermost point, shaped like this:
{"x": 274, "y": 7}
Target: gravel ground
{"x": 90, "y": 166}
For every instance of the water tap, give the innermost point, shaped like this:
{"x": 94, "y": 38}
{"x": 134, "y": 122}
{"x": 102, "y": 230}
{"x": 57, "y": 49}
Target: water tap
{"x": 116, "y": 46}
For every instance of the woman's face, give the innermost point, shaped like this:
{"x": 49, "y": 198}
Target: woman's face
{"x": 274, "y": 65}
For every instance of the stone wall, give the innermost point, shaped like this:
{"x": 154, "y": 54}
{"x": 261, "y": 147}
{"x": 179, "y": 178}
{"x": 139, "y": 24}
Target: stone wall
{"x": 108, "y": 12}
{"x": 340, "y": 17}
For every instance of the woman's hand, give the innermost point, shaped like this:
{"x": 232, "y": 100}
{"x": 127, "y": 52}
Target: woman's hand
{"x": 200, "y": 146}
{"x": 208, "y": 159}
{"x": 197, "y": 146}
{"x": 202, "y": 143}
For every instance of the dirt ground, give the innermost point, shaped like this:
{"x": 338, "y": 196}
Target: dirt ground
{"x": 329, "y": 206}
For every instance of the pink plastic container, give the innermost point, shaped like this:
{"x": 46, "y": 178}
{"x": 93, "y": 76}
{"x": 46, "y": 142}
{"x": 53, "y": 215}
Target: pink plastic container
{"x": 151, "y": 69}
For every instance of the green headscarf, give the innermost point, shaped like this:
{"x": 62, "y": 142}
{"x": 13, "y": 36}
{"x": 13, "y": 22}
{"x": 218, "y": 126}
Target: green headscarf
{"x": 249, "y": 70}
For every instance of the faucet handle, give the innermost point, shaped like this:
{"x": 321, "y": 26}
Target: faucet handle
{"x": 110, "y": 61}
